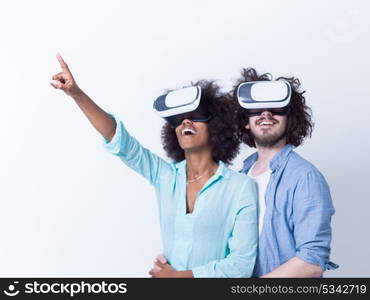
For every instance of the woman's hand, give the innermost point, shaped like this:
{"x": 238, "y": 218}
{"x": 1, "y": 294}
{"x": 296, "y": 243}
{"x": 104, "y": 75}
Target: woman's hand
{"x": 64, "y": 80}
{"x": 162, "y": 269}
{"x": 101, "y": 120}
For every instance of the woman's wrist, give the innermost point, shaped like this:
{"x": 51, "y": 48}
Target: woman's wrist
{"x": 78, "y": 95}
{"x": 183, "y": 274}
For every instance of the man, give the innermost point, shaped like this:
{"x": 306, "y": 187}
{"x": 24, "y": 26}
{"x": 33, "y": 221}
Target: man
{"x": 295, "y": 206}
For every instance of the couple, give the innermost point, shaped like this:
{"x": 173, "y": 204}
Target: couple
{"x": 210, "y": 218}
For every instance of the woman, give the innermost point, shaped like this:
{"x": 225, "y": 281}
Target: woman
{"x": 207, "y": 212}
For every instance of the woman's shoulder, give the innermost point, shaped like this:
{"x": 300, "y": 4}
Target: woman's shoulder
{"x": 239, "y": 178}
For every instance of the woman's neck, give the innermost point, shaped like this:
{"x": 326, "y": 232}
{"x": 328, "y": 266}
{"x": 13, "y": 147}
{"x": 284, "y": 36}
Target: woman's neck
{"x": 198, "y": 163}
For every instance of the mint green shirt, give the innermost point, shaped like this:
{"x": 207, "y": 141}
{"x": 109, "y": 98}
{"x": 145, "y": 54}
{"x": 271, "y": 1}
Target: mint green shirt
{"x": 219, "y": 238}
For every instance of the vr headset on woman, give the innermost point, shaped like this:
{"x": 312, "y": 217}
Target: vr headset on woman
{"x": 181, "y": 104}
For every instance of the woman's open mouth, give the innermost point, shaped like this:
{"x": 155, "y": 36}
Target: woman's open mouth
{"x": 188, "y": 131}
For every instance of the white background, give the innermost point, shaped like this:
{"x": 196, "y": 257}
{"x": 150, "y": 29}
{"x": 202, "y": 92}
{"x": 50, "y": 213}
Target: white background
{"x": 68, "y": 208}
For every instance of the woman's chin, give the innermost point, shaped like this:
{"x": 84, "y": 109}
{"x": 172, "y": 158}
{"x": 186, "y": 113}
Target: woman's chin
{"x": 193, "y": 149}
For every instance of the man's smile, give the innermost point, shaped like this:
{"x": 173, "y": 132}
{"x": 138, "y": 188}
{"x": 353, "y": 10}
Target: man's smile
{"x": 263, "y": 123}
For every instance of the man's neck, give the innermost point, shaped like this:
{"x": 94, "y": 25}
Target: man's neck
{"x": 265, "y": 155}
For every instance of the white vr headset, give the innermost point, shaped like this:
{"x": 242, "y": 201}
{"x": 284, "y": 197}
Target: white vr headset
{"x": 182, "y": 104}
{"x": 257, "y": 96}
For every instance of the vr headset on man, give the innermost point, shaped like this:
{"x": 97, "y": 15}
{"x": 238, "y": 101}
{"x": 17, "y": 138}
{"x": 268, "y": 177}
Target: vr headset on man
{"x": 254, "y": 96}
{"x": 259, "y": 96}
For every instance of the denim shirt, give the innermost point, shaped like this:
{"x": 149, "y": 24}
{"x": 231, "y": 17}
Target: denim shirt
{"x": 298, "y": 214}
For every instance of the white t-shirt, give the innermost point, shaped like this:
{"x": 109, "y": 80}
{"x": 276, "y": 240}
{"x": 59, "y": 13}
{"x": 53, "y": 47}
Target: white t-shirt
{"x": 262, "y": 181}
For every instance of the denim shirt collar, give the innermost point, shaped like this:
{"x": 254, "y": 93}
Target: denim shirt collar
{"x": 276, "y": 162}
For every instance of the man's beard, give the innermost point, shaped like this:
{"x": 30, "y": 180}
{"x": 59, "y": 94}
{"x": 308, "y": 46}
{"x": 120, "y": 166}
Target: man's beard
{"x": 270, "y": 140}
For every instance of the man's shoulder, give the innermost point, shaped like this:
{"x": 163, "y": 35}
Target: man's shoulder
{"x": 305, "y": 179}
{"x": 300, "y": 166}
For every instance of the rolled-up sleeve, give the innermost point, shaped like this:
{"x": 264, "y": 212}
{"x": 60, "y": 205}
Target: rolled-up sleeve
{"x": 242, "y": 243}
{"x": 134, "y": 155}
{"x": 313, "y": 210}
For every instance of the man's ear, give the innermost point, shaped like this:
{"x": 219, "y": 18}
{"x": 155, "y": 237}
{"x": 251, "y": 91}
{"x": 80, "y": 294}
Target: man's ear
{"x": 247, "y": 126}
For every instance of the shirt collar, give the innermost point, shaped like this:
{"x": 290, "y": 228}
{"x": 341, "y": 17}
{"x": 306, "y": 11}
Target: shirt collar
{"x": 280, "y": 157}
{"x": 276, "y": 162}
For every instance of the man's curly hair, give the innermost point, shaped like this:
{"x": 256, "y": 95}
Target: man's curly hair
{"x": 299, "y": 119}
{"x": 222, "y": 127}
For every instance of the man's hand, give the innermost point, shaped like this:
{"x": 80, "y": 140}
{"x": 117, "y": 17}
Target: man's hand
{"x": 64, "y": 80}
